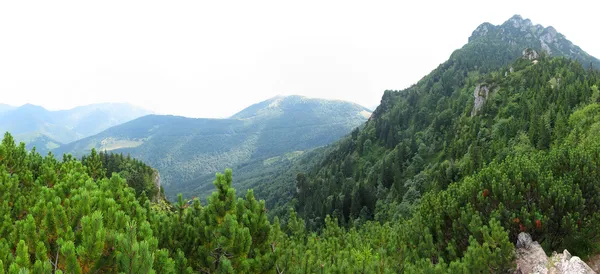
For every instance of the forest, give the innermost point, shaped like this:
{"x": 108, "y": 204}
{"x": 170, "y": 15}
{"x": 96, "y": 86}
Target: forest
{"x": 428, "y": 185}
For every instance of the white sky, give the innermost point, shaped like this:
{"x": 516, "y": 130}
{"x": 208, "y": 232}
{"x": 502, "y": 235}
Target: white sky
{"x": 213, "y": 58}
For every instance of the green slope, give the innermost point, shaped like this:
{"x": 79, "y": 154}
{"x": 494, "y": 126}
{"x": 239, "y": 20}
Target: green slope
{"x": 185, "y": 149}
{"x": 425, "y": 137}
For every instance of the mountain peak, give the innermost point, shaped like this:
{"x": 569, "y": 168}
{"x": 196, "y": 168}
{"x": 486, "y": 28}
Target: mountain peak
{"x": 519, "y": 23}
{"x": 518, "y": 33}
{"x": 283, "y": 103}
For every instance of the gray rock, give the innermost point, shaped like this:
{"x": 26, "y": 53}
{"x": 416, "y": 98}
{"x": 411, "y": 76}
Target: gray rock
{"x": 565, "y": 263}
{"x": 156, "y": 181}
{"x": 531, "y": 258}
{"x": 524, "y": 240}
{"x": 480, "y": 94}
{"x": 530, "y": 54}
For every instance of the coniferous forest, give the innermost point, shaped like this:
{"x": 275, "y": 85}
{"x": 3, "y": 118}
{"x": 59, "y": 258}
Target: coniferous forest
{"x": 441, "y": 179}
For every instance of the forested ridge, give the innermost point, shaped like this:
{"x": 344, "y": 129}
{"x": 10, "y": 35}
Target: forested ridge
{"x": 189, "y": 151}
{"x": 441, "y": 179}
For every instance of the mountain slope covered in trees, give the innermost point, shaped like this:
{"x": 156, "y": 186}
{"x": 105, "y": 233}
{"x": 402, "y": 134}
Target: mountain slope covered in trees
{"x": 46, "y": 130}
{"x": 437, "y": 131}
{"x": 68, "y": 217}
{"x": 185, "y": 149}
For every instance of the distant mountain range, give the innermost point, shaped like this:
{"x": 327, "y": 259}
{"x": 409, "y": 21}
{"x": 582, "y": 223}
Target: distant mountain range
{"x": 47, "y": 129}
{"x": 185, "y": 149}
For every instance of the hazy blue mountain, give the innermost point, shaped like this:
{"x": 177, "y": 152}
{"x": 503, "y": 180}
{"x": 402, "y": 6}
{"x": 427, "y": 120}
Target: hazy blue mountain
{"x": 92, "y": 119}
{"x": 184, "y": 149}
{"x": 36, "y": 125}
{"x": 5, "y": 107}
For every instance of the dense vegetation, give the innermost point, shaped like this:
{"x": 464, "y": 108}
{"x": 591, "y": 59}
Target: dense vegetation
{"x": 139, "y": 176}
{"x": 188, "y": 152}
{"x": 56, "y": 216}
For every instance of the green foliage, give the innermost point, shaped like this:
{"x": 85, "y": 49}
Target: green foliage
{"x": 56, "y": 216}
{"x": 139, "y": 176}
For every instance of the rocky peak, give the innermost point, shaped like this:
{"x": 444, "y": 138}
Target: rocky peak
{"x": 518, "y": 33}
{"x": 482, "y": 30}
{"x": 519, "y": 23}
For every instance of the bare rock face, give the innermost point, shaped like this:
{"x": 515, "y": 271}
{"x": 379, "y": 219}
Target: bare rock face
{"x": 480, "y": 94}
{"x": 156, "y": 182}
{"x": 530, "y": 54}
{"x": 531, "y": 258}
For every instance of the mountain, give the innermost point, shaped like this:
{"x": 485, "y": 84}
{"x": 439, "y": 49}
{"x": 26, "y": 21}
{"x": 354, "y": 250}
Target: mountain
{"x": 92, "y": 119}
{"x": 5, "y": 107}
{"x": 46, "y": 129}
{"x": 516, "y": 34}
{"x": 477, "y": 168}
{"x": 431, "y": 154}
{"x": 185, "y": 149}
{"x": 428, "y": 131}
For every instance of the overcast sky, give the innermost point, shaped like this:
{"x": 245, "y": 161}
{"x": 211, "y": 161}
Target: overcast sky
{"x": 213, "y": 58}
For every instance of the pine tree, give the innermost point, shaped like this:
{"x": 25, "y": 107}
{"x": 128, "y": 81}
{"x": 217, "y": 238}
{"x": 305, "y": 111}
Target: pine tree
{"x": 67, "y": 249}
{"x": 133, "y": 256}
{"x": 93, "y": 236}
{"x": 226, "y": 243}
{"x": 93, "y": 162}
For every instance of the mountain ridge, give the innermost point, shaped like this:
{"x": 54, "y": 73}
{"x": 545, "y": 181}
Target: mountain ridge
{"x": 34, "y": 124}
{"x": 409, "y": 139}
{"x": 522, "y": 33}
{"x": 183, "y": 149}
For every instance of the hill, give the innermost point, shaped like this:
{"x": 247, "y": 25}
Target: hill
{"x": 466, "y": 125}
{"x": 185, "y": 149}
{"x": 48, "y": 129}
{"x": 431, "y": 134}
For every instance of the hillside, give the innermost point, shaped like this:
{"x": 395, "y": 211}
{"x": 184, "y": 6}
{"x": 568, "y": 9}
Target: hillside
{"x": 46, "y": 129}
{"x": 425, "y": 137}
{"x": 433, "y": 154}
{"x": 185, "y": 149}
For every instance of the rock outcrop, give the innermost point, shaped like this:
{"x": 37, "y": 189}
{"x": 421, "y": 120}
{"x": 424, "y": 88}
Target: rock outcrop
{"x": 156, "y": 181}
{"x": 530, "y": 54}
{"x": 481, "y": 93}
{"x": 531, "y": 258}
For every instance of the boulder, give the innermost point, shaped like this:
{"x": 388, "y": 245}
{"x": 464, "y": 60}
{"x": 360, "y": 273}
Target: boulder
{"x": 531, "y": 258}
